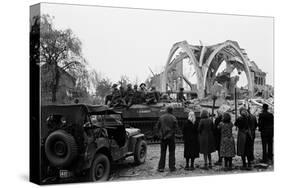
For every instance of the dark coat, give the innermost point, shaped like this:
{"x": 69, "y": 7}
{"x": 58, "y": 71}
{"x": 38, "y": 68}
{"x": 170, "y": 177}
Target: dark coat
{"x": 206, "y": 136}
{"x": 266, "y": 124}
{"x": 253, "y": 125}
{"x": 190, "y": 137}
{"x": 244, "y": 137}
{"x": 167, "y": 126}
{"x": 217, "y": 132}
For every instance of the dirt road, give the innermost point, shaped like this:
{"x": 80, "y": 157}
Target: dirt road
{"x": 128, "y": 171}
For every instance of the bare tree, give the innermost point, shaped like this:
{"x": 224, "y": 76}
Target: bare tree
{"x": 59, "y": 49}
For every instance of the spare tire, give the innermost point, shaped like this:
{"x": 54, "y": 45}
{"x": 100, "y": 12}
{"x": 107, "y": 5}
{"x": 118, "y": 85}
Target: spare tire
{"x": 61, "y": 148}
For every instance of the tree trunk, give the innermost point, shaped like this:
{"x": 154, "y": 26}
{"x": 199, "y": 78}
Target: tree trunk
{"x": 55, "y": 83}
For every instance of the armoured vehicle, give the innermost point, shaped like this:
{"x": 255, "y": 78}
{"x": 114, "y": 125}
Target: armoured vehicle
{"x": 144, "y": 116}
{"x": 82, "y": 141}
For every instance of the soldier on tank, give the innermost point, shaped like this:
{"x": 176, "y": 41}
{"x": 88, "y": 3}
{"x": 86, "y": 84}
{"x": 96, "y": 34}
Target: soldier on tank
{"x": 122, "y": 91}
{"x": 136, "y": 96}
{"x": 143, "y": 92}
{"x": 129, "y": 94}
{"x": 180, "y": 96}
{"x": 152, "y": 96}
{"x": 116, "y": 100}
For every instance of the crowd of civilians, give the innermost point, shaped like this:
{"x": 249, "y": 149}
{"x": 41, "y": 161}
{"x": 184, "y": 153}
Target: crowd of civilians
{"x": 206, "y": 136}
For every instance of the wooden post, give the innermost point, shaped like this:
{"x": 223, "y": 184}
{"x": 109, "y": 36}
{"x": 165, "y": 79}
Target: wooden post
{"x": 235, "y": 102}
{"x": 213, "y": 107}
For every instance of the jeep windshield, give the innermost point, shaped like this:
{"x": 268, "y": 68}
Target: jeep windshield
{"x": 106, "y": 120}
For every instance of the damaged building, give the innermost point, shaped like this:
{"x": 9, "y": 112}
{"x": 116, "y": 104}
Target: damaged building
{"x": 203, "y": 75}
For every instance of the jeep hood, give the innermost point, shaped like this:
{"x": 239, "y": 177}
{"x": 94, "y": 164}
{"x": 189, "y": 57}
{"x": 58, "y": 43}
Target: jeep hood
{"x": 132, "y": 131}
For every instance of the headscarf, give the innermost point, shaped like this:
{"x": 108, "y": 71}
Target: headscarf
{"x": 191, "y": 117}
{"x": 204, "y": 114}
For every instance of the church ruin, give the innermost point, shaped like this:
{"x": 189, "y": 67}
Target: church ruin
{"x": 205, "y": 61}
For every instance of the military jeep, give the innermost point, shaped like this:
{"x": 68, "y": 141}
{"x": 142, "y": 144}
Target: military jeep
{"x": 84, "y": 140}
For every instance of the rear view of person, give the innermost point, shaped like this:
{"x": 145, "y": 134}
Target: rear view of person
{"x": 166, "y": 128}
{"x": 244, "y": 139}
{"x": 206, "y": 138}
{"x": 190, "y": 137}
{"x": 227, "y": 146}
{"x": 266, "y": 128}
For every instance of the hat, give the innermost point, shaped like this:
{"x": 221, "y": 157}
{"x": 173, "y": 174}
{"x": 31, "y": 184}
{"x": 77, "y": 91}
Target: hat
{"x": 265, "y": 106}
{"x": 114, "y": 85}
{"x": 143, "y": 84}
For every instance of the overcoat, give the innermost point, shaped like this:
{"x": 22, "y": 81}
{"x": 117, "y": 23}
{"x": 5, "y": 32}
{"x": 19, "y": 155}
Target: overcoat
{"x": 244, "y": 137}
{"x": 206, "y": 136}
{"x": 190, "y": 137}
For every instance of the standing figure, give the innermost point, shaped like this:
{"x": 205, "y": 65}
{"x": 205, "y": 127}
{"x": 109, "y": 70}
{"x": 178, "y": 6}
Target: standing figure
{"x": 253, "y": 127}
{"x": 122, "y": 91}
{"x": 129, "y": 94}
{"x": 217, "y": 134}
{"x": 166, "y": 128}
{"x": 206, "y": 138}
{"x": 180, "y": 96}
{"x": 244, "y": 138}
{"x": 266, "y": 128}
{"x": 191, "y": 143}
{"x": 143, "y": 92}
{"x": 227, "y": 146}
{"x": 152, "y": 96}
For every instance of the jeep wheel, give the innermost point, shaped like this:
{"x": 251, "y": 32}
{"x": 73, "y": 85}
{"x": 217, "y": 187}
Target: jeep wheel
{"x": 140, "y": 152}
{"x": 100, "y": 168}
{"x": 60, "y": 148}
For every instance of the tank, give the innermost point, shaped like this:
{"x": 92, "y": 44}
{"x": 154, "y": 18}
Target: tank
{"x": 145, "y": 117}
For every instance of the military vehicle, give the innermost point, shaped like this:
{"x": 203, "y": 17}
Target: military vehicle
{"x": 82, "y": 141}
{"x": 145, "y": 116}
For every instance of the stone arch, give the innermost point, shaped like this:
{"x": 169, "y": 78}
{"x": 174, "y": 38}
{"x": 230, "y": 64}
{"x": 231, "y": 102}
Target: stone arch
{"x": 244, "y": 61}
{"x": 185, "y": 46}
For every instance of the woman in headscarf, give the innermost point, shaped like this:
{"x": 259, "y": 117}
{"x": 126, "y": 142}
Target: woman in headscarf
{"x": 227, "y": 146}
{"x": 190, "y": 137}
{"x": 206, "y": 138}
{"x": 244, "y": 138}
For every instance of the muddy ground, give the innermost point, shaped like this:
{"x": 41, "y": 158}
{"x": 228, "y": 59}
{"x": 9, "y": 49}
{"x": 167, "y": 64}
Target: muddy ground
{"x": 126, "y": 170}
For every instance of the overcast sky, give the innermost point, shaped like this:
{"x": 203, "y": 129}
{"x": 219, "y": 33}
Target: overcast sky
{"x": 119, "y": 41}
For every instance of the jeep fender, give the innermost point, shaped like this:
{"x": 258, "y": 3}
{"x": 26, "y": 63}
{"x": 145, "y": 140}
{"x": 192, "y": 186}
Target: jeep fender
{"x": 100, "y": 145}
{"x": 134, "y": 139}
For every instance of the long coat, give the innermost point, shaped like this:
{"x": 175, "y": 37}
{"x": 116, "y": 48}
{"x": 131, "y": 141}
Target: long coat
{"x": 217, "y": 132}
{"x": 244, "y": 137}
{"x": 206, "y": 136}
{"x": 227, "y": 145}
{"x": 190, "y": 137}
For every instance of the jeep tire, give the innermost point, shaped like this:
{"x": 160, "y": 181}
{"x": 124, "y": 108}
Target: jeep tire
{"x": 140, "y": 152}
{"x": 60, "y": 148}
{"x": 100, "y": 168}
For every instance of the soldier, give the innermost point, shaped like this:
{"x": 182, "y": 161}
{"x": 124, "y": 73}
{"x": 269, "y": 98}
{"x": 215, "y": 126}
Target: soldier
{"x": 129, "y": 95}
{"x": 136, "y": 96}
{"x": 166, "y": 127}
{"x": 116, "y": 96}
{"x": 180, "y": 96}
{"x": 153, "y": 96}
{"x": 143, "y": 92}
{"x": 135, "y": 88}
{"x": 122, "y": 91}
